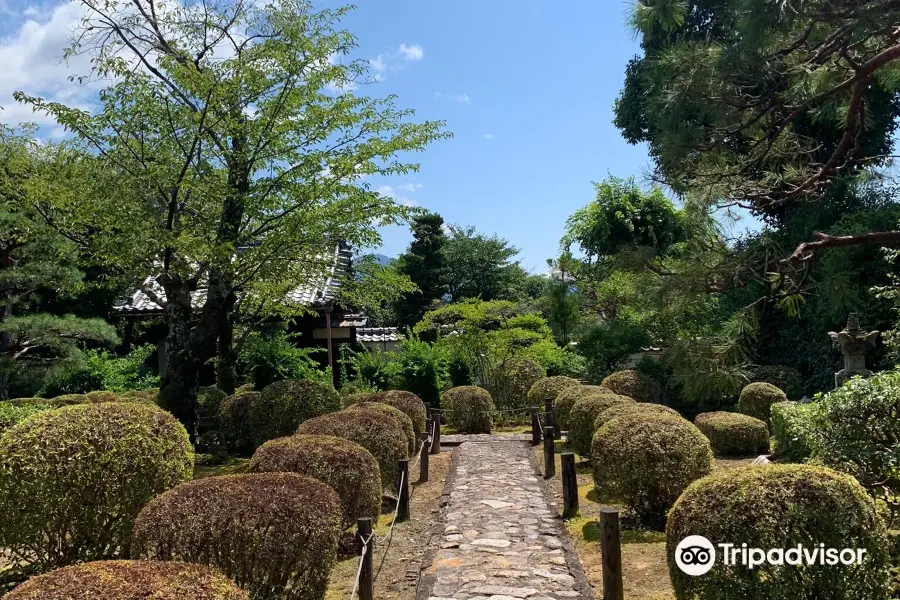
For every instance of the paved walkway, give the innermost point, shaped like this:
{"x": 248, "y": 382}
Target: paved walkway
{"x": 501, "y": 541}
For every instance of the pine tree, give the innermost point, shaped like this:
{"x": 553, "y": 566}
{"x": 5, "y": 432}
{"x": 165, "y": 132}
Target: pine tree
{"x": 424, "y": 264}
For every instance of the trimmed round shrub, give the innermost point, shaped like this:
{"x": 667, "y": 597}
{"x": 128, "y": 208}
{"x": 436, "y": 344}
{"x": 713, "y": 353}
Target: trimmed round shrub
{"x": 632, "y": 408}
{"x": 130, "y": 580}
{"x": 470, "y": 408}
{"x": 11, "y": 413}
{"x": 209, "y": 399}
{"x": 68, "y": 399}
{"x": 374, "y": 431}
{"x": 283, "y": 405}
{"x": 562, "y": 406}
{"x": 351, "y": 399}
{"x": 584, "y": 413}
{"x": 756, "y": 400}
{"x": 646, "y": 461}
{"x": 794, "y": 428}
{"x": 234, "y": 422}
{"x": 514, "y": 381}
{"x": 73, "y": 479}
{"x": 348, "y": 468}
{"x": 733, "y": 434}
{"x": 404, "y": 422}
{"x": 274, "y": 534}
{"x": 411, "y": 405}
{"x": 633, "y": 384}
{"x": 247, "y": 387}
{"x": 787, "y": 379}
{"x": 548, "y": 388}
{"x": 101, "y": 396}
{"x": 780, "y": 506}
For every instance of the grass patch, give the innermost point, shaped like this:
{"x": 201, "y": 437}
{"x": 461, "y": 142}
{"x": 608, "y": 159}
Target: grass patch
{"x": 232, "y": 466}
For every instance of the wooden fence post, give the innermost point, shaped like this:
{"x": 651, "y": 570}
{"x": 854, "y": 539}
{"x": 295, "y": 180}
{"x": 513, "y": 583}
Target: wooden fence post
{"x": 549, "y": 455}
{"x": 402, "y": 490}
{"x": 535, "y": 426}
{"x": 423, "y": 456}
{"x": 611, "y": 550}
{"x": 569, "y": 485}
{"x": 436, "y": 439}
{"x": 548, "y": 418}
{"x": 367, "y": 551}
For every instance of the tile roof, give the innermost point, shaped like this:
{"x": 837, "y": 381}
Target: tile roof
{"x": 378, "y": 334}
{"x": 317, "y": 293}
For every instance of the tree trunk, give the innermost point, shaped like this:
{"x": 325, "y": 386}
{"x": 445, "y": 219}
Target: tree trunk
{"x": 180, "y": 378}
{"x": 226, "y": 370}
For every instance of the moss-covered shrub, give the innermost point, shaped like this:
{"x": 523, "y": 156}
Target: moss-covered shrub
{"x": 632, "y": 408}
{"x": 11, "y": 413}
{"x": 562, "y": 406}
{"x": 130, "y": 580}
{"x": 247, "y": 387}
{"x": 348, "y": 468}
{"x": 787, "y": 379}
{"x": 411, "y": 405}
{"x": 584, "y": 412}
{"x": 283, "y": 405}
{"x": 209, "y": 399}
{"x": 470, "y": 409}
{"x": 548, "y": 388}
{"x": 101, "y": 396}
{"x": 234, "y": 422}
{"x": 780, "y": 506}
{"x": 404, "y": 422}
{"x": 274, "y": 534}
{"x": 647, "y": 460}
{"x": 634, "y": 384}
{"x": 756, "y": 400}
{"x": 374, "y": 431}
{"x": 794, "y": 427}
{"x": 733, "y": 434}
{"x": 69, "y": 399}
{"x": 73, "y": 479}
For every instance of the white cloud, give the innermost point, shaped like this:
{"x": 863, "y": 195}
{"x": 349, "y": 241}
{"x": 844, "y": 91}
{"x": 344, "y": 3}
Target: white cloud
{"x": 489, "y": 136}
{"x": 464, "y": 98}
{"x": 414, "y": 52}
{"x": 387, "y": 190}
{"x": 461, "y": 98}
{"x": 410, "y": 187}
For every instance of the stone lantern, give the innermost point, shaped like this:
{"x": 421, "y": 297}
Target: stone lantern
{"x": 853, "y": 344}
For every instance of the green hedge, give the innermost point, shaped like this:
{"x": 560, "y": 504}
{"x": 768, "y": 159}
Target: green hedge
{"x": 756, "y": 400}
{"x": 73, "y": 479}
{"x": 209, "y": 400}
{"x": 470, "y": 409}
{"x": 566, "y": 399}
{"x": 634, "y": 384}
{"x": 631, "y": 408}
{"x": 274, "y": 534}
{"x": 411, "y": 405}
{"x": 12, "y": 413}
{"x": 646, "y": 461}
{"x": 404, "y": 422}
{"x": 234, "y": 422}
{"x": 787, "y": 379}
{"x": 793, "y": 427}
{"x": 584, "y": 413}
{"x": 130, "y": 580}
{"x": 283, "y": 405}
{"x": 780, "y": 506}
{"x": 548, "y": 388}
{"x": 734, "y": 434}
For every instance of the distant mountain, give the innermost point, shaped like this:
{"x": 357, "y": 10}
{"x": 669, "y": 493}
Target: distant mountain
{"x": 381, "y": 259}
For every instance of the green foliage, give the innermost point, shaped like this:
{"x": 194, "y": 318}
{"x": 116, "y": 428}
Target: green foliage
{"x": 408, "y": 403}
{"x": 274, "y": 534}
{"x": 633, "y": 384}
{"x": 470, "y": 409}
{"x": 734, "y": 434}
{"x": 13, "y": 412}
{"x": 646, "y": 461}
{"x": 420, "y": 368}
{"x": 234, "y": 422}
{"x": 423, "y": 263}
{"x": 548, "y": 389}
{"x": 478, "y": 266}
{"x": 209, "y": 401}
{"x": 756, "y": 400}
{"x": 607, "y": 345}
{"x": 784, "y": 378}
{"x": 510, "y": 385}
{"x": 120, "y": 374}
{"x": 584, "y": 412}
{"x": 375, "y": 289}
{"x": 130, "y": 579}
{"x": 347, "y": 468}
{"x": 566, "y": 399}
{"x": 793, "y": 427}
{"x": 366, "y": 402}
{"x": 374, "y": 369}
{"x": 72, "y": 480}
{"x": 270, "y": 356}
{"x": 283, "y": 405}
{"x": 781, "y": 506}
{"x": 630, "y": 408}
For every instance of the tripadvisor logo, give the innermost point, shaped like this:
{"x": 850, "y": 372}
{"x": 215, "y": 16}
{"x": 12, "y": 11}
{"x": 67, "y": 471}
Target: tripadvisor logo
{"x": 695, "y": 555}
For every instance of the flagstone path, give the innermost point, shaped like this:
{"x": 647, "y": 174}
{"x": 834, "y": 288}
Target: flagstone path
{"x": 501, "y": 539}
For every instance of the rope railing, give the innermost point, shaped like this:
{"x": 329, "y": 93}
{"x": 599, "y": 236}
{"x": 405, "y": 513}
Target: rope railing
{"x": 390, "y": 534}
{"x": 362, "y": 558}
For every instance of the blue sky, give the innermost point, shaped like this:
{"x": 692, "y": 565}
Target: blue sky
{"x": 526, "y": 87}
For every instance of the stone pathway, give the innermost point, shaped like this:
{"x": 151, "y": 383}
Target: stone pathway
{"x": 501, "y": 540}
{"x": 456, "y": 439}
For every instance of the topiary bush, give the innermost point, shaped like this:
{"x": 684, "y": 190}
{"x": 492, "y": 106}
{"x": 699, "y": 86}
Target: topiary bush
{"x": 632, "y": 408}
{"x": 101, "y": 396}
{"x": 756, "y": 400}
{"x": 283, "y": 405}
{"x": 733, "y": 434}
{"x": 794, "y": 427}
{"x": 374, "y": 431}
{"x": 12, "y": 413}
{"x": 404, "y": 422}
{"x": 634, "y": 384}
{"x": 548, "y": 388}
{"x": 73, "y": 479}
{"x": 787, "y": 379}
{"x": 68, "y": 399}
{"x": 234, "y": 422}
{"x": 411, "y": 405}
{"x": 470, "y": 408}
{"x": 130, "y": 580}
{"x": 274, "y": 534}
{"x": 584, "y": 413}
{"x": 209, "y": 399}
{"x": 646, "y": 461}
{"x": 562, "y": 406}
{"x": 348, "y": 468}
{"x": 780, "y": 506}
